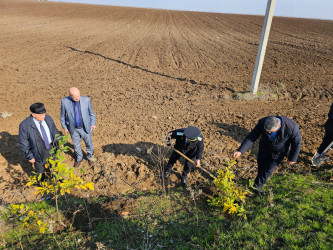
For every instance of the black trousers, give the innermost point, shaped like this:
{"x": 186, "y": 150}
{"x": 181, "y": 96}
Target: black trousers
{"x": 266, "y": 166}
{"x": 40, "y": 165}
{"x": 328, "y": 138}
{"x": 188, "y": 165}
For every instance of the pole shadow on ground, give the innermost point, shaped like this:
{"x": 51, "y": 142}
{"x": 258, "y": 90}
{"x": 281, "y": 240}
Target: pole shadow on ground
{"x": 137, "y": 67}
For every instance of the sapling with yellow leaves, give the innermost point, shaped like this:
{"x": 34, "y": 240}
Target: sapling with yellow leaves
{"x": 229, "y": 195}
{"x": 59, "y": 177}
{"x": 28, "y": 218}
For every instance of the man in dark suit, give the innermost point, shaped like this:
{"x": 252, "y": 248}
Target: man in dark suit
{"x": 37, "y": 137}
{"x": 280, "y": 136}
{"x": 327, "y": 140}
{"x": 78, "y": 118}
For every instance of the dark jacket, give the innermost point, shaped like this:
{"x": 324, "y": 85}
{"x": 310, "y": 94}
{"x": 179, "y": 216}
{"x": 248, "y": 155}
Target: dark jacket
{"x": 31, "y": 141}
{"x": 288, "y": 136}
{"x": 329, "y": 122}
{"x": 192, "y": 149}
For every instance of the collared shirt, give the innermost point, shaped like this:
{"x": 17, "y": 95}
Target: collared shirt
{"x": 47, "y": 130}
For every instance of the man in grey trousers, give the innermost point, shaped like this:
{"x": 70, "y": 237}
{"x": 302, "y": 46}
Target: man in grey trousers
{"x": 78, "y": 118}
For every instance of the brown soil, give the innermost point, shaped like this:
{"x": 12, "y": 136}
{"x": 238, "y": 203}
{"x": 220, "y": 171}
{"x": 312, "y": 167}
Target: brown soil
{"x": 150, "y": 71}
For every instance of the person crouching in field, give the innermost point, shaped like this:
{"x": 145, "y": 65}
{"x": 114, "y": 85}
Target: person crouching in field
{"x": 189, "y": 141}
{"x": 37, "y": 135}
{"x": 280, "y": 136}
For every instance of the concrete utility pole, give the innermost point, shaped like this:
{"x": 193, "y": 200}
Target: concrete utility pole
{"x": 262, "y": 46}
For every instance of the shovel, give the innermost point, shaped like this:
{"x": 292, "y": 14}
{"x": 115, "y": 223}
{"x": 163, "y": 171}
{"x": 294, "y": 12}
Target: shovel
{"x": 204, "y": 170}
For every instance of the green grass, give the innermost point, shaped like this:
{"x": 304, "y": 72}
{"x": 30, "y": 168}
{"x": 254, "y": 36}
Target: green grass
{"x": 296, "y": 213}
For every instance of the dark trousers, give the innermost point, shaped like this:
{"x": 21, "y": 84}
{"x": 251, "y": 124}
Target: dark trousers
{"x": 328, "y": 138}
{"x": 188, "y": 165}
{"x": 266, "y": 166}
{"x": 40, "y": 165}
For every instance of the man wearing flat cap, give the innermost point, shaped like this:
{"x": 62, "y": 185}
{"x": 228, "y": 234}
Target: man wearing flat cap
{"x": 78, "y": 118}
{"x": 190, "y": 142}
{"x": 37, "y": 137}
{"x": 280, "y": 137}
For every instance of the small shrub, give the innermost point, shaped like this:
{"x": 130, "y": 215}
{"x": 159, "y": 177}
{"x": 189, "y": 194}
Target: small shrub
{"x": 28, "y": 218}
{"x": 60, "y": 178}
{"x": 230, "y": 196}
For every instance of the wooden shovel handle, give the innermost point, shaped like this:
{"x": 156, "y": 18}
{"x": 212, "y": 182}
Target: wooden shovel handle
{"x": 177, "y": 151}
{"x": 184, "y": 156}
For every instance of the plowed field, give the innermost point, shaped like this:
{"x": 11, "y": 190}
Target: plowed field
{"x": 150, "y": 71}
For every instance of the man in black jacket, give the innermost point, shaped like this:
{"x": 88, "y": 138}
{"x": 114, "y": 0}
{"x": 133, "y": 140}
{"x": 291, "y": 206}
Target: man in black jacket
{"x": 280, "y": 136}
{"x": 37, "y": 136}
{"x": 190, "y": 142}
{"x": 327, "y": 140}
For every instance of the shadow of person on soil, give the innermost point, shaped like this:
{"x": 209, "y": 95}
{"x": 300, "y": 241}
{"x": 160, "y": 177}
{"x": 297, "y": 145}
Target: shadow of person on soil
{"x": 71, "y": 152}
{"x": 152, "y": 155}
{"x": 11, "y": 151}
{"x": 12, "y": 183}
{"x": 233, "y": 131}
{"x": 305, "y": 157}
{"x": 138, "y": 67}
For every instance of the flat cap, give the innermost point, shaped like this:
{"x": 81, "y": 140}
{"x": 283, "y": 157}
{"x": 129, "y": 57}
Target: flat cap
{"x": 38, "y": 108}
{"x": 192, "y": 132}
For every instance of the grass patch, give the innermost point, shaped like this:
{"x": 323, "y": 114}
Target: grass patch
{"x": 296, "y": 213}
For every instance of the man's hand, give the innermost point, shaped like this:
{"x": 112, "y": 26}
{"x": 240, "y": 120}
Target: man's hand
{"x": 66, "y": 131}
{"x": 32, "y": 160}
{"x": 237, "y": 154}
{"x": 92, "y": 128}
{"x": 197, "y": 163}
{"x": 168, "y": 140}
{"x": 291, "y": 163}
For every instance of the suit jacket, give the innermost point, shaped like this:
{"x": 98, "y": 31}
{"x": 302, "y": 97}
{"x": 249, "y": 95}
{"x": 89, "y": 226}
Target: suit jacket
{"x": 30, "y": 139}
{"x": 67, "y": 116}
{"x": 288, "y": 136}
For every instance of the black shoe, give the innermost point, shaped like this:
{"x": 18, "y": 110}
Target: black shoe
{"x": 258, "y": 189}
{"x": 184, "y": 185}
{"x": 77, "y": 164}
{"x": 92, "y": 161}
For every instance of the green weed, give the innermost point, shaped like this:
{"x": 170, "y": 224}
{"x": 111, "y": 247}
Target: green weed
{"x": 297, "y": 213}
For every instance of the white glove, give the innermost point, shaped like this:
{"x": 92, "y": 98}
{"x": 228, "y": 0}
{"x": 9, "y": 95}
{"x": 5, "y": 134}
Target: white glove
{"x": 168, "y": 139}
